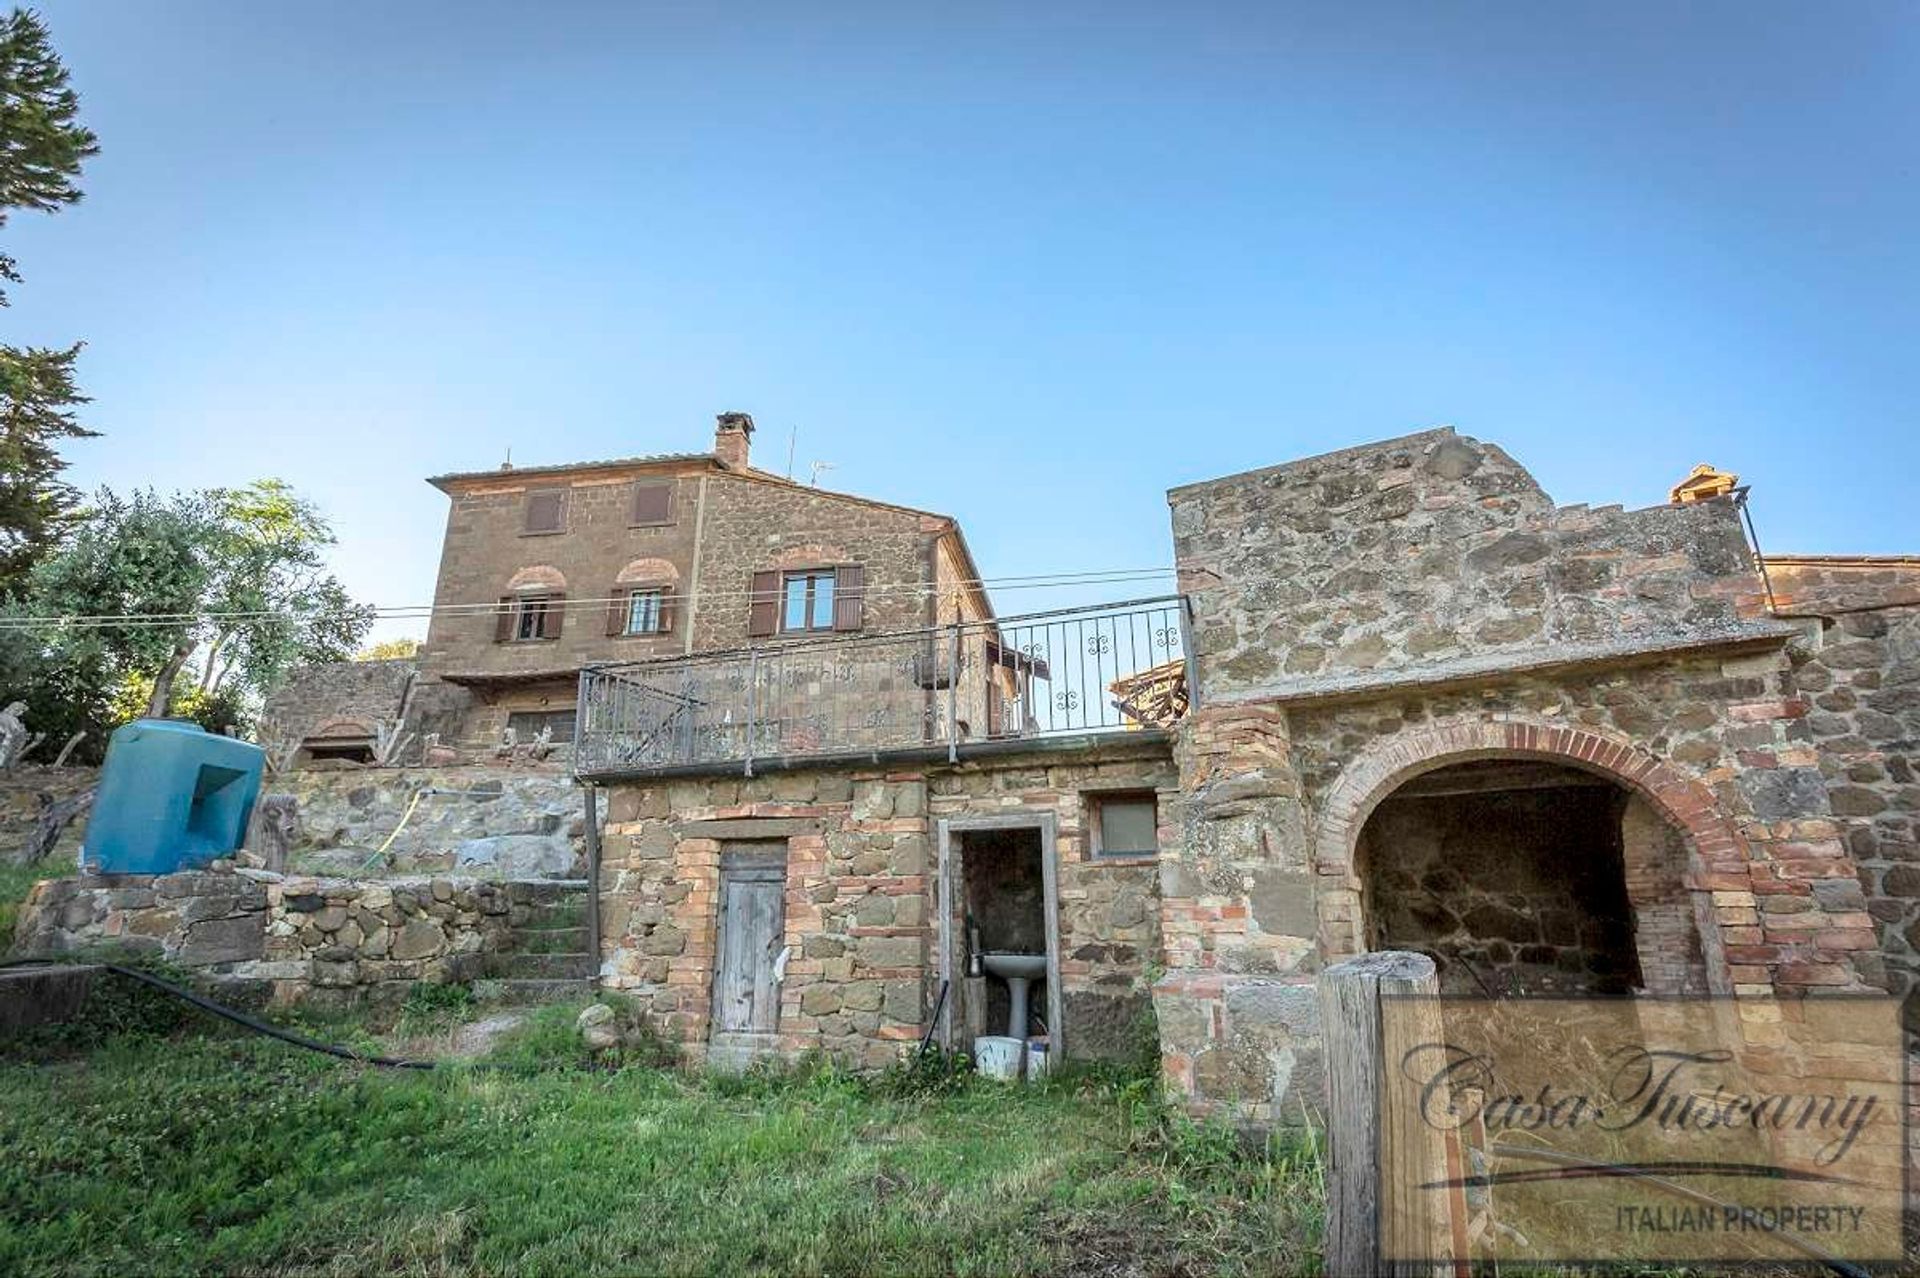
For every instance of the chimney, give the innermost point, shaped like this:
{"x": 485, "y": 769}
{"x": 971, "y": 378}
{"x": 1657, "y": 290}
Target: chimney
{"x": 1703, "y": 483}
{"x": 732, "y": 433}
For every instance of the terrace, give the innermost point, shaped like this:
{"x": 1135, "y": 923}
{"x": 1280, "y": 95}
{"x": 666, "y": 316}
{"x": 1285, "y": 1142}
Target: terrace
{"x": 943, "y": 692}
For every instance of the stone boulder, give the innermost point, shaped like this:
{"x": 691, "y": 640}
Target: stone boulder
{"x": 597, "y": 1029}
{"x": 517, "y": 856}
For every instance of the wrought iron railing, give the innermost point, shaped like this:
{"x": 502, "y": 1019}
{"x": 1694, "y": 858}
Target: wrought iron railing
{"x": 950, "y": 687}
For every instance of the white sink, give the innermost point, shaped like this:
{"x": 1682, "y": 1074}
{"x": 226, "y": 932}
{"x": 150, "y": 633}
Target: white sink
{"x": 1008, "y": 966}
{"x": 1018, "y": 971}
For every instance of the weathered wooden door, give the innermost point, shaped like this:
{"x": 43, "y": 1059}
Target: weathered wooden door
{"x": 753, "y": 914}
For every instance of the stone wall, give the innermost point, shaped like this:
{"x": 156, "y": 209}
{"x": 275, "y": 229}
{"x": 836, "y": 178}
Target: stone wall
{"x": 1515, "y": 892}
{"x": 1860, "y": 675}
{"x": 486, "y": 544}
{"x": 753, "y": 525}
{"x": 1437, "y": 555}
{"x": 725, "y": 527}
{"x": 519, "y": 822}
{"x": 526, "y": 821}
{"x": 22, "y": 797}
{"x": 1109, "y": 906}
{"x": 862, "y": 890}
{"x": 294, "y": 941}
{"x": 856, "y": 902}
{"x": 348, "y": 695}
{"x": 1364, "y": 618}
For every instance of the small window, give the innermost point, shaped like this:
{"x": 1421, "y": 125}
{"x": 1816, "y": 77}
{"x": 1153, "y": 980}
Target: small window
{"x": 526, "y": 724}
{"x": 547, "y": 510}
{"x": 532, "y": 618}
{"x": 524, "y": 618}
{"x": 1126, "y": 824}
{"x": 652, "y": 505}
{"x": 806, "y": 600}
{"x": 646, "y": 609}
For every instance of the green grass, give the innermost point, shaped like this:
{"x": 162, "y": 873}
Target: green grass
{"x": 202, "y": 1152}
{"x": 14, "y": 882}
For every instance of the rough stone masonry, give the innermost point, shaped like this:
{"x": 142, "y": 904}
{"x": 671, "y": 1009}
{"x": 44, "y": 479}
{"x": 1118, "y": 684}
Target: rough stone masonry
{"x": 1419, "y": 608}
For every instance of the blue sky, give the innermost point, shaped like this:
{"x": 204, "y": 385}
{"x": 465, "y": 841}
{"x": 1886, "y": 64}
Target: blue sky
{"x": 1031, "y": 265}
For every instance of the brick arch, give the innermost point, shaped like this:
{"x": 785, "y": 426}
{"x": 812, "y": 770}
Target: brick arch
{"x": 1386, "y": 764}
{"x": 537, "y": 577}
{"x": 338, "y": 728}
{"x": 647, "y": 570}
{"x": 809, "y": 555}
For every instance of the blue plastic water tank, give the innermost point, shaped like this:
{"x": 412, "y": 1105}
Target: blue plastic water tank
{"x": 171, "y": 796}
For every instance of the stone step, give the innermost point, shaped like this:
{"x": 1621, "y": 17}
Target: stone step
{"x": 519, "y": 966}
{"x": 522, "y": 991}
{"x": 550, "y": 940}
{"x": 545, "y": 891}
{"x": 555, "y": 914}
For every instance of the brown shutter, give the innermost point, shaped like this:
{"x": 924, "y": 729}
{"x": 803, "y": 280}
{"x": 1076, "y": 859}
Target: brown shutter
{"x": 763, "y": 608}
{"x": 668, "y": 598}
{"x": 849, "y": 594}
{"x": 503, "y": 620}
{"x": 546, "y": 509}
{"x": 653, "y": 503}
{"x": 556, "y": 616}
{"x": 617, "y": 611}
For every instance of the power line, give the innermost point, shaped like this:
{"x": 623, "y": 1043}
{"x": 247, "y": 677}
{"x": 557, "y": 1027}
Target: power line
{"x": 494, "y": 607}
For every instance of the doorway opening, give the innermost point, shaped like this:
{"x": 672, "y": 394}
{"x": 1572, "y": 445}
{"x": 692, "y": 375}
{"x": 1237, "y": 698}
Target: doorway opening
{"x": 750, "y": 958}
{"x": 1524, "y": 877}
{"x": 999, "y": 925}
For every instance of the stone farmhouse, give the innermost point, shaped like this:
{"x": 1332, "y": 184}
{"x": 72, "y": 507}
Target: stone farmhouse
{"x": 545, "y": 570}
{"x": 1401, "y": 700}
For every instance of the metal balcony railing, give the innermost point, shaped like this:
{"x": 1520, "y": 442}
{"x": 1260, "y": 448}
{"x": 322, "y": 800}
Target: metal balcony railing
{"x": 1051, "y": 674}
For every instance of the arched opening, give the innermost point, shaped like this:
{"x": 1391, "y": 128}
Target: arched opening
{"x": 1528, "y": 876}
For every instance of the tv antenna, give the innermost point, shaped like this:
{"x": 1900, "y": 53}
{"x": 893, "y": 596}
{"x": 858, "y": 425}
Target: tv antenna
{"x": 816, "y": 468}
{"x": 793, "y": 437}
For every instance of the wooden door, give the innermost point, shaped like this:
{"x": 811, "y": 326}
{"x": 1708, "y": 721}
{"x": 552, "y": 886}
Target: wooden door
{"x": 746, "y": 985}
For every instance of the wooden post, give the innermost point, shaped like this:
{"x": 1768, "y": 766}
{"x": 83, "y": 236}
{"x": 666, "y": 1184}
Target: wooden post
{"x": 593, "y": 886}
{"x": 1376, "y": 1215}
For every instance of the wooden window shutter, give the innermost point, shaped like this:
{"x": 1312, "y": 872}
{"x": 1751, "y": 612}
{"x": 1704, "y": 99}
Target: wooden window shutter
{"x": 763, "y": 608}
{"x": 546, "y": 509}
{"x": 617, "y": 611}
{"x": 668, "y": 600}
{"x": 556, "y": 616}
{"x": 849, "y": 595}
{"x": 652, "y": 504}
{"x": 503, "y": 620}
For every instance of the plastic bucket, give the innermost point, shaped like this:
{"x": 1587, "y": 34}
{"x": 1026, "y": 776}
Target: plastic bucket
{"x": 997, "y": 1056}
{"x": 1039, "y": 1063}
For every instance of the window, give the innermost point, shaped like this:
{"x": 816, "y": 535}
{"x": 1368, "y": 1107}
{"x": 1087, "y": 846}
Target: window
{"x": 1126, "y": 824}
{"x": 352, "y": 751}
{"x": 645, "y": 611}
{"x": 531, "y": 623}
{"x": 526, "y": 618}
{"x": 546, "y": 510}
{"x": 806, "y": 600}
{"x": 652, "y": 505}
{"x": 526, "y": 724}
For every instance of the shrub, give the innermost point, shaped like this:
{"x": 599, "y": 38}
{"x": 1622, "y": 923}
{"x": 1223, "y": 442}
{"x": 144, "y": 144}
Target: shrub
{"x": 934, "y": 1072}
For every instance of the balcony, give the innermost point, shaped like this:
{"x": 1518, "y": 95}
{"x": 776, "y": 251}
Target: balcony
{"x": 949, "y": 691}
